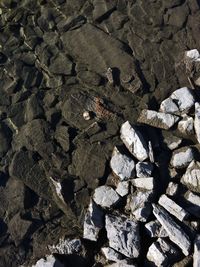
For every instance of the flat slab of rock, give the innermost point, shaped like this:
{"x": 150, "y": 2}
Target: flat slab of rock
{"x": 196, "y": 256}
{"x": 197, "y": 121}
{"x": 161, "y": 253}
{"x": 146, "y": 183}
{"x": 182, "y": 157}
{"x": 105, "y": 196}
{"x": 173, "y": 208}
{"x": 180, "y": 101}
{"x": 134, "y": 141}
{"x": 93, "y": 222}
{"x": 191, "y": 178}
{"x": 123, "y": 235}
{"x": 144, "y": 169}
{"x": 175, "y": 232}
{"x": 122, "y": 165}
{"x": 157, "y": 119}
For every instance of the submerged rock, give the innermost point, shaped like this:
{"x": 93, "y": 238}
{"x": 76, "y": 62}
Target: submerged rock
{"x": 122, "y": 165}
{"x": 123, "y": 235}
{"x": 134, "y": 141}
{"x": 191, "y": 178}
{"x": 182, "y": 157}
{"x": 157, "y": 119}
{"x": 105, "y": 196}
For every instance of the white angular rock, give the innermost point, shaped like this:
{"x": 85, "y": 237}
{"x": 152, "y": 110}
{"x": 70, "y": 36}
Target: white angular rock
{"x": 157, "y": 119}
{"x": 193, "y": 202}
{"x": 93, "y": 222}
{"x": 146, "y": 183}
{"x": 182, "y": 157}
{"x": 196, "y": 256}
{"x": 161, "y": 253}
{"x": 155, "y": 229}
{"x": 66, "y": 246}
{"x": 182, "y": 98}
{"x": 49, "y": 261}
{"x": 105, "y": 196}
{"x": 144, "y": 169}
{"x": 134, "y": 141}
{"x": 122, "y": 188}
{"x": 172, "y": 189}
{"x": 191, "y": 178}
{"x": 197, "y": 121}
{"x": 139, "y": 205}
{"x": 122, "y": 165}
{"x": 173, "y": 208}
{"x": 175, "y": 232}
{"x": 193, "y": 55}
{"x": 111, "y": 254}
{"x": 186, "y": 125}
{"x": 172, "y": 142}
{"x": 123, "y": 235}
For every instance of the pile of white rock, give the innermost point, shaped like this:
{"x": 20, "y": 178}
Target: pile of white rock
{"x": 132, "y": 209}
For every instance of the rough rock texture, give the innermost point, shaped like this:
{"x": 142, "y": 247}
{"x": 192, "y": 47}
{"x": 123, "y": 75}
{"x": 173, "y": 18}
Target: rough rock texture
{"x": 155, "y": 229}
{"x": 105, "y": 196}
{"x": 123, "y": 235}
{"x": 144, "y": 169}
{"x": 49, "y": 261}
{"x": 191, "y": 178}
{"x": 196, "y": 258}
{"x": 186, "y": 125}
{"x": 182, "y": 157}
{"x": 197, "y": 121}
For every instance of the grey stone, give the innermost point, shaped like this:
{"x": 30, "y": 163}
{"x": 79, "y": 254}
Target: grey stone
{"x": 62, "y": 137}
{"x": 60, "y": 64}
{"x": 122, "y": 188}
{"x": 123, "y": 235}
{"x": 172, "y": 142}
{"x": 197, "y": 121}
{"x": 173, "y": 208}
{"x": 122, "y": 165}
{"x": 66, "y": 246}
{"x": 172, "y": 189}
{"x": 196, "y": 255}
{"x": 134, "y": 141}
{"x": 122, "y": 263}
{"x": 105, "y": 196}
{"x": 186, "y": 125}
{"x": 144, "y": 169}
{"x": 175, "y": 232}
{"x": 182, "y": 157}
{"x": 191, "y": 178}
{"x": 155, "y": 229}
{"x": 183, "y": 98}
{"x": 111, "y": 254}
{"x": 161, "y": 253}
{"x": 157, "y": 119}
{"x": 151, "y": 154}
{"x": 48, "y": 261}
{"x": 93, "y": 222}
{"x": 146, "y": 183}
{"x": 193, "y": 202}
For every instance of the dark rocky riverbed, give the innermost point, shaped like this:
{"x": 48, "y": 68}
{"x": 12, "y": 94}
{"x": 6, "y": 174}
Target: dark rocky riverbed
{"x": 71, "y": 73}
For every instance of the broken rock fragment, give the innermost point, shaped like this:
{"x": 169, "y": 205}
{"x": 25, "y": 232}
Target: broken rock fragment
{"x": 191, "y": 178}
{"x": 157, "y": 119}
{"x": 48, "y": 261}
{"x": 144, "y": 169}
{"x": 196, "y": 256}
{"x": 105, "y": 196}
{"x": 182, "y": 157}
{"x": 193, "y": 55}
{"x": 122, "y": 165}
{"x": 66, "y": 246}
{"x": 172, "y": 189}
{"x": 146, "y": 183}
{"x": 134, "y": 141}
{"x": 186, "y": 125}
{"x": 111, "y": 254}
{"x": 197, "y": 121}
{"x": 193, "y": 202}
{"x": 122, "y": 188}
{"x": 161, "y": 253}
{"x": 123, "y": 235}
{"x": 175, "y": 232}
{"x": 93, "y": 222}
{"x": 173, "y": 208}
{"x": 155, "y": 229}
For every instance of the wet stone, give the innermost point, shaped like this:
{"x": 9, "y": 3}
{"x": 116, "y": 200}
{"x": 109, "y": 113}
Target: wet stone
{"x": 123, "y": 235}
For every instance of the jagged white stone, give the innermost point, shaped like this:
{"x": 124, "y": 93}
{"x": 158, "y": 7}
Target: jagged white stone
{"x": 146, "y": 183}
{"x": 175, "y": 232}
{"x": 182, "y": 98}
{"x": 186, "y": 125}
{"x": 111, "y": 254}
{"x": 49, "y": 261}
{"x": 105, "y": 196}
{"x": 193, "y": 55}
{"x": 139, "y": 205}
{"x": 157, "y": 119}
{"x": 191, "y": 178}
{"x": 172, "y": 189}
{"x": 172, "y": 142}
{"x": 123, "y": 235}
{"x": 122, "y": 165}
{"x": 155, "y": 229}
{"x": 161, "y": 253}
{"x": 93, "y": 222}
{"x": 173, "y": 208}
{"x": 197, "y": 121}
{"x": 122, "y": 188}
{"x": 134, "y": 141}
{"x": 144, "y": 169}
{"x": 196, "y": 256}
{"x": 182, "y": 157}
